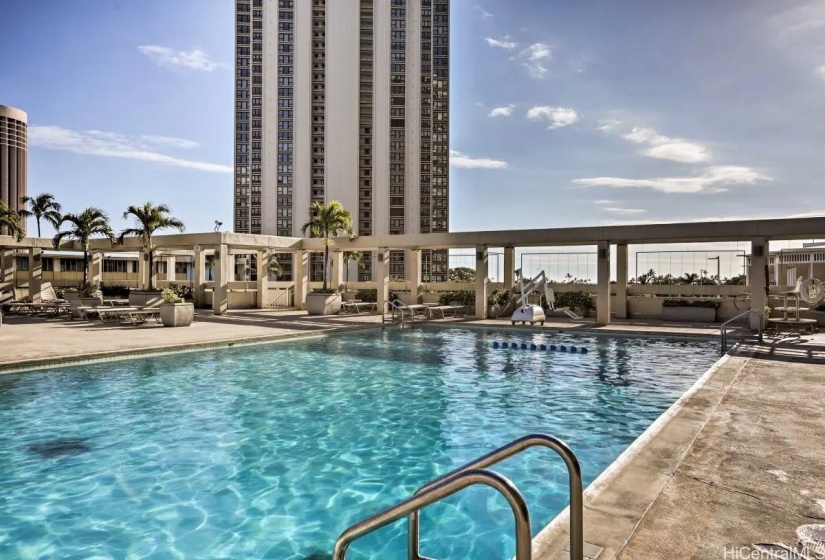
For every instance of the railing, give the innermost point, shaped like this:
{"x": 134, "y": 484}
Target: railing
{"x": 437, "y": 489}
{"x": 284, "y": 299}
{"x": 398, "y": 307}
{"x": 439, "y": 492}
{"x": 724, "y": 331}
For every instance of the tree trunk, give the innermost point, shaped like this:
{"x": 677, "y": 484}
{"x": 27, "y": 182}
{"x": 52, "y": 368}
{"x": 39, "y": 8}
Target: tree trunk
{"x": 326, "y": 260}
{"x": 151, "y": 270}
{"x": 38, "y": 226}
{"x": 85, "y": 264}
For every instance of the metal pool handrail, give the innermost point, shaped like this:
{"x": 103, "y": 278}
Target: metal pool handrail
{"x": 513, "y": 448}
{"x": 724, "y": 331}
{"x": 398, "y": 306}
{"x": 437, "y": 492}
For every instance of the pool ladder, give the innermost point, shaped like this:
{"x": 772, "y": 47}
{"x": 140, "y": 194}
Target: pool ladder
{"x": 398, "y": 314}
{"x": 475, "y": 472}
{"x": 724, "y": 329}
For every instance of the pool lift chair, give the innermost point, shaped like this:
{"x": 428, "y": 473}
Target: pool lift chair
{"x": 527, "y": 313}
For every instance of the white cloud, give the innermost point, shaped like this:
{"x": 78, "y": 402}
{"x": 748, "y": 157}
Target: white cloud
{"x": 111, "y": 144}
{"x": 484, "y": 13}
{"x": 502, "y": 43}
{"x": 608, "y": 125}
{"x": 556, "y": 116}
{"x": 170, "y": 141}
{"x": 457, "y": 159}
{"x": 820, "y": 71}
{"x": 663, "y": 147}
{"x": 502, "y": 111}
{"x": 603, "y": 201}
{"x": 625, "y": 211}
{"x": 535, "y": 56}
{"x": 169, "y": 58}
{"x": 714, "y": 179}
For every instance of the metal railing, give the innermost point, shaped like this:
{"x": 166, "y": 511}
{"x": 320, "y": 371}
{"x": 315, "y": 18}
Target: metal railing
{"x": 724, "y": 330}
{"x": 439, "y": 492}
{"x": 398, "y": 307}
{"x": 496, "y": 456}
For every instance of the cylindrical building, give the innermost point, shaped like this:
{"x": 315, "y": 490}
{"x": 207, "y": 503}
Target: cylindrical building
{"x": 13, "y": 157}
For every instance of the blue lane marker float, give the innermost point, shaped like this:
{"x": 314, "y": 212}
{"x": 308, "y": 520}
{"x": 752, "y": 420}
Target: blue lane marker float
{"x": 539, "y": 347}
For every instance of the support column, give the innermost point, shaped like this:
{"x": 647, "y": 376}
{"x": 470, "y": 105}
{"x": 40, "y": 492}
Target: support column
{"x": 197, "y": 278}
{"x": 603, "y": 280}
{"x": 758, "y": 277}
{"x": 96, "y": 268}
{"x": 35, "y": 275}
{"x": 300, "y": 272}
{"x": 337, "y": 279}
{"x": 621, "y": 281}
{"x": 7, "y": 267}
{"x": 263, "y": 280}
{"x": 382, "y": 277}
{"x": 482, "y": 282}
{"x": 509, "y": 267}
{"x": 170, "y": 269}
{"x": 220, "y": 292}
{"x": 414, "y": 279}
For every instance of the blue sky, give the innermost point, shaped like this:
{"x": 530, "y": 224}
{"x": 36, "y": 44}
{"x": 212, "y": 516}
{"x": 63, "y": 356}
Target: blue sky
{"x": 564, "y": 113}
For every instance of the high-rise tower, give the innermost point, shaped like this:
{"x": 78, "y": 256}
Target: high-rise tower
{"x": 13, "y": 157}
{"x": 344, "y": 100}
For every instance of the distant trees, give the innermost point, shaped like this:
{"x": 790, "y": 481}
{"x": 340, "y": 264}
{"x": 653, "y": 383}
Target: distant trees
{"x": 461, "y": 274}
{"x": 11, "y": 222}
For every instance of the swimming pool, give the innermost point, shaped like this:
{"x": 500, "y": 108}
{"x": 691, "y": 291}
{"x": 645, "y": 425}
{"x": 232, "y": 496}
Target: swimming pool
{"x": 271, "y": 451}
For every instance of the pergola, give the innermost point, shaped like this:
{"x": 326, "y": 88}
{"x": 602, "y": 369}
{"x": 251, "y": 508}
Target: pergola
{"x": 759, "y": 233}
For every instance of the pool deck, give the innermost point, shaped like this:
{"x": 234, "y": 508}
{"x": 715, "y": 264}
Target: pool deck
{"x": 739, "y": 459}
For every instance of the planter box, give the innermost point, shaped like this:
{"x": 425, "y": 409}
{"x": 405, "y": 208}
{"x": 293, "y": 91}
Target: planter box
{"x": 177, "y": 314}
{"x": 145, "y": 299}
{"x": 689, "y": 314}
{"x": 323, "y": 304}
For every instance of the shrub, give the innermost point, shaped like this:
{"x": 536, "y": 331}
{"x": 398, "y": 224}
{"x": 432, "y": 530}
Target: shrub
{"x": 462, "y": 297}
{"x": 183, "y": 292}
{"x": 702, "y": 303}
{"x": 169, "y": 296}
{"x": 371, "y": 295}
{"x": 578, "y": 301}
{"x": 115, "y": 291}
{"x": 499, "y": 297}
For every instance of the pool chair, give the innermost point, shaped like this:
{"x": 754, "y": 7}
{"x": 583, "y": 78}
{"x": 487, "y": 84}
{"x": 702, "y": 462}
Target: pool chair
{"x": 49, "y": 303}
{"x": 550, "y": 296}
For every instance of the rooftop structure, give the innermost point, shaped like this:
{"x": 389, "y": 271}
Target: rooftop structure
{"x": 13, "y": 157}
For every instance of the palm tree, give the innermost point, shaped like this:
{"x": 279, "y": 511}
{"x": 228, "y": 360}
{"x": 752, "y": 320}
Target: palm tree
{"x": 690, "y": 278}
{"x": 92, "y": 221}
{"x": 42, "y": 206}
{"x": 149, "y": 219}
{"x": 273, "y": 266}
{"x": 327, "y": 221}
{"x": 11, "y": 222}
{"x": 353, "y": 256}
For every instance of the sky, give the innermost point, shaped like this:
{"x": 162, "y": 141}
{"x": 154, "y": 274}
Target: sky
{"x": 564, "y": 113}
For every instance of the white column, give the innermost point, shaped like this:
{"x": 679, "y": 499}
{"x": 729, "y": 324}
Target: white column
{"x": 603, "y": 288}
{"x": 300, "y": 273}
{"x": 35, "y": 274}
{"x": 220, "y": 292}
{"x": 758, "y": 277}
{"x": 621, "y": 281}
{"x": 170, "y": 269}
{"x": 7, "y": 267}
{"x": 200, "y": 270}
{"x": 96, "y": 268}
{"x": 414, "y": 278}
{"x": 337, "y": 279}
{"x": 263, "y": 280}
{"x": 143, "y": 270}
{"x": 482, "y": 282}
{"x": 382, "y": 277}
{"x": 509, "y": 267}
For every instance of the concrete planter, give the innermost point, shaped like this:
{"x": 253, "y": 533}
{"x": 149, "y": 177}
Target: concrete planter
{"x": 177, "y": 314}
{"x": 430, "y": 297}
{"x": 495, "y": 311}
{"x": 689, "y": 314}
{"x": 144, "y": 299}
{"x": 323, "y": 304}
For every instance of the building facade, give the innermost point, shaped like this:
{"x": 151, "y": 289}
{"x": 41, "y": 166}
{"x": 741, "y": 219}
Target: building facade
{"x": 13, "y": 157}
{"x": 344, "y": 100}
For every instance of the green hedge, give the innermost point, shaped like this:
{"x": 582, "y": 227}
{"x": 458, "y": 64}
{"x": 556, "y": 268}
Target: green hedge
{"x": 462, "y": 297}
{"x": 702, "y": 303}
{"x": 371, "y": 295}
{"x": 579, "y": 301}
{"x": 499, "y": 297}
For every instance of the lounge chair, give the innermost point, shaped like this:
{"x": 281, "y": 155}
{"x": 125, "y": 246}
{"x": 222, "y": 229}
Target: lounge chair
{"x": 355, "y": 307}
{"x": 139, "y": 316}
{"x": 550, "y": 296}
{"x": 442, "y": 310}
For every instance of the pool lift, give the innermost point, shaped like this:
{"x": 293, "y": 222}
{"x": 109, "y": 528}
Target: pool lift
{"x": 526, "y": 313}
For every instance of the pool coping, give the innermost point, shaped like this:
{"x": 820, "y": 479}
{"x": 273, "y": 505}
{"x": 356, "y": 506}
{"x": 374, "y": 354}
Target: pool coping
{"x": 37, "y": 364}
{"x": 619, "y": 498}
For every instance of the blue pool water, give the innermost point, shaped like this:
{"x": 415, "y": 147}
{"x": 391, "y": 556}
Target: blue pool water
{"x": 271, "y": 451}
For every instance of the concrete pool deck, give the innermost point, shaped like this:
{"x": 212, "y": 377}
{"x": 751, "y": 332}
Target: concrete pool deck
{"x": 740, "y": 459}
